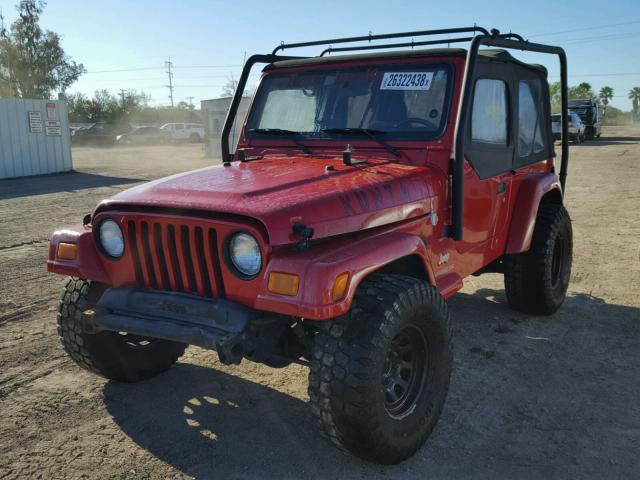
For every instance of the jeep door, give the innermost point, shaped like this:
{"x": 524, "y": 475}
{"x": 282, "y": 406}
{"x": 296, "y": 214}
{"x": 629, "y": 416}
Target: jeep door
{"x": 489, "y": 153}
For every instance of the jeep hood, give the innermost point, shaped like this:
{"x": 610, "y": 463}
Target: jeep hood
{"x": 320, "y": 192}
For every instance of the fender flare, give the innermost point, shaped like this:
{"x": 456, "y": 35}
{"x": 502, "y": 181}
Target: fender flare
{"x": 317, "y": 272}
{"x": 523, "y": 221}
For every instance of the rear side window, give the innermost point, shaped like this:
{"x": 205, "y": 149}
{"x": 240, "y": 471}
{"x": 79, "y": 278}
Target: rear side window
{"x": 529, "y": 118}
{"x": 489, "y": 113}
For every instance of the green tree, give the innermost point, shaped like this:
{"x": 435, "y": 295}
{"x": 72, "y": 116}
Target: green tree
{"x": 634, "y": 95}
{"x": 606, "y": 94}
{"x": 32, "y": 61}
{"x": 582, "y": 90}
{"x": 554, "y": 92}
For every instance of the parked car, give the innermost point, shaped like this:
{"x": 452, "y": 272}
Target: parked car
{"x": 143, "y": 136}
{"x": 192, "y": 132}
{"x": 576, "y": 127}
{"x": 591, "y": 115}
{"x": 96, "y": 134}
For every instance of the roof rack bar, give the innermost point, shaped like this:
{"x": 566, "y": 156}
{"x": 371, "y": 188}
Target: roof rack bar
{"x": 395, "y": 45}
{"x": 384, "y": 36}
{"x": 415, "y": 44}
{"x": 512, "y": 36}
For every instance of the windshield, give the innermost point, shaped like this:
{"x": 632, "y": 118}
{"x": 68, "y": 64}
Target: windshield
{"x": 407, "y": 101}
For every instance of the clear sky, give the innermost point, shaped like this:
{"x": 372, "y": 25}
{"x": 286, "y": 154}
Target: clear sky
{"x": 207, "y": 40}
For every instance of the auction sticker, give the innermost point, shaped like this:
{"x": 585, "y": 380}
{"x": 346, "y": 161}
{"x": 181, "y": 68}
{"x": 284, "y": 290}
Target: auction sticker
{"x": 406, "y": 81}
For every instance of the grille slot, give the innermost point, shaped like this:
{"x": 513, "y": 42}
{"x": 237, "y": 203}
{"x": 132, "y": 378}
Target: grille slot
{"x": 151, "y": 271}
{"x": 188, "y": 260}
{"x": 175, "y": 257}
{"x": 204, "y": 272}
{"x": 173, "y": 253}
{"x": 164, "y": 272}
{"x": 135, "y": 253}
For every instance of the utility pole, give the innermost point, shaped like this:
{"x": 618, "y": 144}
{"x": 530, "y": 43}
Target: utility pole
{"x": 190, "y": 101}
{"x": 168, "y": 65}
{"x": 122, "y": 94}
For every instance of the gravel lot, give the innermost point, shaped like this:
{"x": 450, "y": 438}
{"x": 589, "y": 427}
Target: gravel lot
{"x": 530, "y": 397}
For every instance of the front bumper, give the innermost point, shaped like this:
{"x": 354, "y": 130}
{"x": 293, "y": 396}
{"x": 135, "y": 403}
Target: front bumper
{"x": 209, "y": 323}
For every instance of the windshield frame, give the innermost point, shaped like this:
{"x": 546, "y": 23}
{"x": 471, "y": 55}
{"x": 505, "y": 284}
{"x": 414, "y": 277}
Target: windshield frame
{"x": 412, "y": 136}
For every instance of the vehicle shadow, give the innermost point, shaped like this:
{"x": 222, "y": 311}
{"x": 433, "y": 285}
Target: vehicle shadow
{"x": 59, "y": 182}
{"x": 209, "y": 424}
{"x": 607, "y": 140}
{"x": 529, "y": 397}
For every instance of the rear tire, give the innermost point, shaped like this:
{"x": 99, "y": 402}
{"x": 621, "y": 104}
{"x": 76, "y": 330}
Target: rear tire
{"x": 380, "y": 373}
{"x": 114, "y": 355}
{"x": 536, "y": 281}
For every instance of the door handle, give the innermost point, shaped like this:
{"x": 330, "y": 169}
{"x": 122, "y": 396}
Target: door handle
{"x": 502, "y": 187}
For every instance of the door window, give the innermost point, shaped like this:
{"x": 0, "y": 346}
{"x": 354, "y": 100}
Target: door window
{"x": 489, "y": 113}
{"x": 530, "y": 139}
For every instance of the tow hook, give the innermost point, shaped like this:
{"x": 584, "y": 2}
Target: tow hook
{"x": 231, "y": 349}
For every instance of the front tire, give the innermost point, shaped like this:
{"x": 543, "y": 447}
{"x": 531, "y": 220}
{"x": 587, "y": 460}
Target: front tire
{"x": 380, "y": 373}
{"x": 115, "y": 355}
{"x": 537, "y": 281}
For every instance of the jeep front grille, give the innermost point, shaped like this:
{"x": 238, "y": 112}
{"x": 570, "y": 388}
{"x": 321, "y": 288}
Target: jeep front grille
{"x": 173, "y": 257}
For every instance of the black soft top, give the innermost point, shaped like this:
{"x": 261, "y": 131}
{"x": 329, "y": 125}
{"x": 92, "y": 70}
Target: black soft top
{"x": 489, "y": 54}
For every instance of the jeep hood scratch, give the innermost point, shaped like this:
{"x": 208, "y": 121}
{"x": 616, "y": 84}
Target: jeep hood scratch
{"x": 280, "y": 191}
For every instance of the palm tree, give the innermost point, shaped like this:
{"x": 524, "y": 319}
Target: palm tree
{"x": 634, "y": 95}
{"x": 606, "y": 94}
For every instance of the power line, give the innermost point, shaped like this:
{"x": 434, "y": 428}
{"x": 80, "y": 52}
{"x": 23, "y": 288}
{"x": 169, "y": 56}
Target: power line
{"x": 118, "y": 70}
{"x": 599, "y": 74}
{"x": 583, "y": 29}
{"x": 208, "y": 66}
{"x": 598, "y": 38}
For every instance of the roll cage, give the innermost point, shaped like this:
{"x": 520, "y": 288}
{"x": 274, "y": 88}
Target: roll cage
{"x": 480, "y": 36}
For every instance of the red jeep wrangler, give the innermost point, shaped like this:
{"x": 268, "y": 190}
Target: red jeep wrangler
{"x": 363, "y": 189}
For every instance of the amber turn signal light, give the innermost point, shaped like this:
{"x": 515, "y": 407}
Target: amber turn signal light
{"x": 67, "y": 251}
{"x": 339, "y": 286}
{"x": 283, "y": 283}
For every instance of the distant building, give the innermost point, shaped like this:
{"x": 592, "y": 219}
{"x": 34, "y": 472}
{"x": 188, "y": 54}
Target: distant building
{"x": 214, "y": 113}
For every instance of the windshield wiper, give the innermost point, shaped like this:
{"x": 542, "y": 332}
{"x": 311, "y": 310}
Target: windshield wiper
{"x": 284, "y": 133}
{"x": 372, "y": 134}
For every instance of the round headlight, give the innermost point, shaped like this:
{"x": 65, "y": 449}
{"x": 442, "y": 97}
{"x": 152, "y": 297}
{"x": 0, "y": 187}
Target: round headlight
{"x": 244, "y": 253}
{"x": 111, "y": 238}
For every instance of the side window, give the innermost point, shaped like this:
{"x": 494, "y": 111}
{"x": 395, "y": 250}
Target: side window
{"x": 489, "y": 113}
{"x": 529, "y": 118}
{"x": 179, "y": 126}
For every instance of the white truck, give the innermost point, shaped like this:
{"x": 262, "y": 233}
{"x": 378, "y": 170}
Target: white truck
{"x": 190, "y": 132}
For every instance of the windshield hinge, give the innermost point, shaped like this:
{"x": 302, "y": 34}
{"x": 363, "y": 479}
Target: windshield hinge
{"x": 305, "y": 233}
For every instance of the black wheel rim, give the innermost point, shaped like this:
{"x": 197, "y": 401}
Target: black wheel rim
{"x": 405, "y": 371}
{"x": 557, "y": 261}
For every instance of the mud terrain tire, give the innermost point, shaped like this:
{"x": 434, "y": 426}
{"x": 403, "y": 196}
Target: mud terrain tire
{"x": 117, "y": 356}
{"x": 536, "y": 281}
{"x": 356, "y": 375}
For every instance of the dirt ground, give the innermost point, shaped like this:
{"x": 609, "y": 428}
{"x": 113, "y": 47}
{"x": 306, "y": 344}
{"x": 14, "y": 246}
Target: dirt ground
{"x": 530, "y": 397}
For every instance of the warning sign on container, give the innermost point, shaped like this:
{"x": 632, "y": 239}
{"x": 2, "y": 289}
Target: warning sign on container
{"x": 35, "y": 122}
{"x": 52, "y": 127}
{"x": 52, "y": 111}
